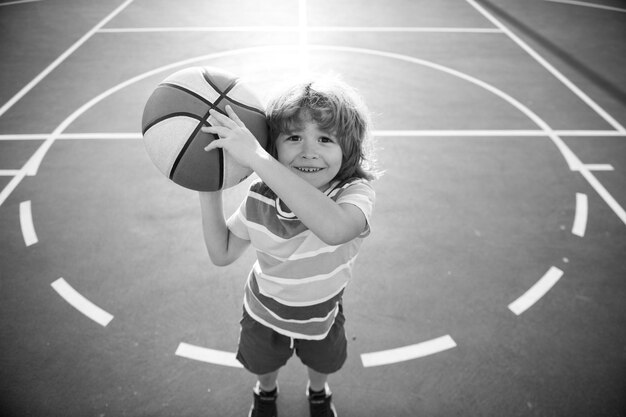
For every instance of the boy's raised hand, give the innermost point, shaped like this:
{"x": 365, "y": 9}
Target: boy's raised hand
{"x": 234, "y": 137}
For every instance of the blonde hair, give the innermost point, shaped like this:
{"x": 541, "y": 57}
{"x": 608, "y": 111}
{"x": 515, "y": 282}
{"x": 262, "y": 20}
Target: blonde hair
{"x": 335, "y": 107}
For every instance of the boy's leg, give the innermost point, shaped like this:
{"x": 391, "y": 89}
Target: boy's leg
{"x": 263, "y": 352}
{"x": 319, "y": 395}
{"x": 267, "y": 382}
{"x": 317, "y": 381}
{"x": 265, "y": 396}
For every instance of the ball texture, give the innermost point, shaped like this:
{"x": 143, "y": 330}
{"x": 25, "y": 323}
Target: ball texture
{"x": 174, "y": 115}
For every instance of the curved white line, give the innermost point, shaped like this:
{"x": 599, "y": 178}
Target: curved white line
{"x": 26, "y": 222}
{"x": 213, "y": 356}
{"x": 34, "y": 162}
{"x": 534, "y": 293}
{"x": 406, "y": 353}
{"x": 80, "y": 303}
{"x": 32, "y": 166}
{"x": 580, "y": 219}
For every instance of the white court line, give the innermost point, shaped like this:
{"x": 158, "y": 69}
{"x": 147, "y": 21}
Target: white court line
{"x": 599, "y": 167}
{"x": 295, "y": 29}
{"x": 503, "y": 133}
{"x": 72, "y": 136}
{"x": 534, "y": 294}
{"x": 11, "y": 3}
{"x": 573, "y": 162}
{"x": 12, "y": 185}
{"x": 606, "y": 196}
{"x": 378, "y": 133}
{"x": 76, "y": 300}
{"x": 573, "y": 87}
{"x": 386, "y": 357}
{"x": 59, "y": 60}
{"x": 592, "y": 5}
{"x": 207, "y": 355}
{"x": 401, "y": 29}
{"x": 9, "y": 172}
{"x": 580, "y": 219}
{"x": 26, "y": 223}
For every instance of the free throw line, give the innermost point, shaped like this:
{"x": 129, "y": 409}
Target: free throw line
{"x": 386, "y": 357}
{"x": 207, "y": 355}
{"x": 534, "y": 294}
{"x": 80, "y": 303}
{"x": 295, "y": 29}
{"x": 378, "y": 133}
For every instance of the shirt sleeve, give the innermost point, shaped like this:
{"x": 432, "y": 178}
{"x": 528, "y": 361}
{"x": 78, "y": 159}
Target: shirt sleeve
{"x": 362, "y": 195}
{"x": 237, "y": 221}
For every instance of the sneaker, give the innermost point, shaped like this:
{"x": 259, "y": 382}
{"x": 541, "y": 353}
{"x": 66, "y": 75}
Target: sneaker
{"x": 321, "y": 404}
{"x": 264, "y": 403}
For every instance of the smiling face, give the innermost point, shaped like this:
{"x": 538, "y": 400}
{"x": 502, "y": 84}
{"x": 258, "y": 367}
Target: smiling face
{"x": 311, "y": 153}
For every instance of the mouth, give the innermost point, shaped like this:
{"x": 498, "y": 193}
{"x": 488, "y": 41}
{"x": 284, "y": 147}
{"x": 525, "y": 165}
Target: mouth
{"x": 308, "y": 170}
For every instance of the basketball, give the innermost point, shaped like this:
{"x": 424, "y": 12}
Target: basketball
{"x": 177, "y": 110}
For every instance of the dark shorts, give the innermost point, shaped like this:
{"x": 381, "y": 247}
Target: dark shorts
{"x": 263, "y": 350}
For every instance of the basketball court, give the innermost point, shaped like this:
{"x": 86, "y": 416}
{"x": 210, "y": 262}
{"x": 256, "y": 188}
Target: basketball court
{"x": 492, "y": 283}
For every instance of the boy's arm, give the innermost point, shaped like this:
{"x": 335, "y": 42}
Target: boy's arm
{"x": 223, "y": 246}
{"x": 332, "y": 222}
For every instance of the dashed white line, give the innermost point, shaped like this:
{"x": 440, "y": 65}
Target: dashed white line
{"x": 537, "y": 291}
{"x": 79, "y": 302}
{"x": 203, "y": 354}
{"x": 26, "y": 222}
{"x": 386, "y": 357}
{"x": 580, "y": 219}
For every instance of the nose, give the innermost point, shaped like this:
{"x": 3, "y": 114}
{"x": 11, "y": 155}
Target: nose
{"x": 309, "y": 149}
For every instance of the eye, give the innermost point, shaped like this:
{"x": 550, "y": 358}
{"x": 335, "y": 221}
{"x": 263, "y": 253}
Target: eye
{"x": 326, "y": 139}
{"x": 292, "y": 138}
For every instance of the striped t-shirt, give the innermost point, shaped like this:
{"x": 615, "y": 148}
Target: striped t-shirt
{"x": 297, "y": 282}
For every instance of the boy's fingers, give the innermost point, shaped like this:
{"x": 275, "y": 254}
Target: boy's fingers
{"x": 217, "y": 143}
{"x": 231, "y": 113}
{"x": 222, "y": 119}
{"x": 217, "y": 130}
